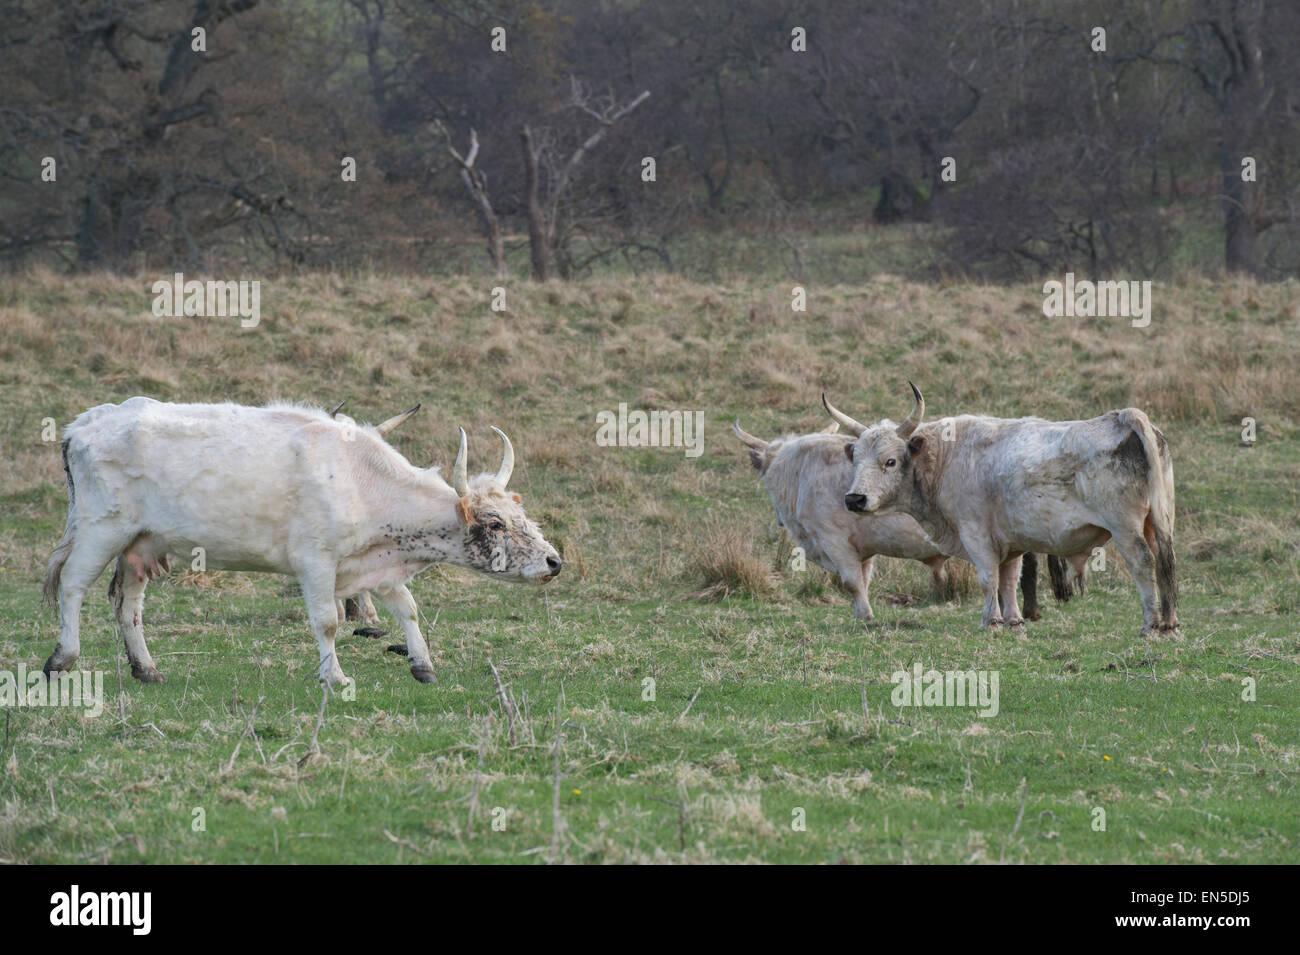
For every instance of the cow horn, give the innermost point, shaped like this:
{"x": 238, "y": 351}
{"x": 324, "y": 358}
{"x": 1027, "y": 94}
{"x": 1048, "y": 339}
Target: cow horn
{"x": 758, "y": 444}
{"x": 338, "y": 407}
{"x": 507, "y": 459}
{"x": 459, "y": 476}
{"x": 855, "y": 426}
{"x": 913, "y": 420}
{"x": 831, "y": 429}
{"x": 395, "y": 420}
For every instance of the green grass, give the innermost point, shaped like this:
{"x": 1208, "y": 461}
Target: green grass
{"x": 791, "y": 697}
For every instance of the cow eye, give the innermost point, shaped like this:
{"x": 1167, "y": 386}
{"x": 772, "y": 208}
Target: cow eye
{"x": 496, "y": 526}
{"x": 890, "y": 463}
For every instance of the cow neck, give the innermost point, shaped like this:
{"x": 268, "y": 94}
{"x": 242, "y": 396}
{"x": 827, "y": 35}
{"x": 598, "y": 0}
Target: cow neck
{"x": 421, "y": 524}
{"x": 924, "y": 504}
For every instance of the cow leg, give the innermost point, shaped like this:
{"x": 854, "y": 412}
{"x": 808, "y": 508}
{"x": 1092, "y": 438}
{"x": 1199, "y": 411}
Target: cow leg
{"x": 865, "y": 571}
{"x": 987, "y": 568}
{"x": 365, "y": 610}
{"x": 854, "y": 572}
{"x": 1008, "y": 577}
{"x": 938, "y": 567}
{"x": 1078, "y": 566}
{"x": 401, "y": 605}
{"x": 126, "y": 593}
{"x": 1132, "y": 546}
{"x": 84, "y": 564}
{"x": 322, "y": 612}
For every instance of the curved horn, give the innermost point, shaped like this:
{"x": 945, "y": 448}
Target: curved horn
{"x": 854, "y": 426}
{"x": 831, "y": 429}
{"x": 395, "y": 420}
{"x": 913, "y": 420}
{"x": 507, "y": 459}
{"x": 758, "y": 444}
{"x": 459, "y": 476}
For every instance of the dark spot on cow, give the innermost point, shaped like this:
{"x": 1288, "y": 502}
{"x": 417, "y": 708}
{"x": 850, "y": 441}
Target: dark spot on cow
{"x": 1130, "y": 455}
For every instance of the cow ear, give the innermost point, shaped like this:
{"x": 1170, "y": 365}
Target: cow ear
{"x": 848, "y": 450}
{"x": 516, "y": 498}
{"x": 465, "y": 511}
{"x": 915, "y": 445}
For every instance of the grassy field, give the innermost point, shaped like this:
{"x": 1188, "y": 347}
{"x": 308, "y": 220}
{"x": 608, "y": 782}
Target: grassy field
{"x": 771, "y": 705}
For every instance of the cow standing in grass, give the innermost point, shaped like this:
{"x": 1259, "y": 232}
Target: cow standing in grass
{"x": 990, "y": 489}
{"x": 806, "y": 477}
{"x": 281, "y": 489}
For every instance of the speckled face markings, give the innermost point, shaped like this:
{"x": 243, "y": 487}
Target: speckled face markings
{"x": 501, "y": 540}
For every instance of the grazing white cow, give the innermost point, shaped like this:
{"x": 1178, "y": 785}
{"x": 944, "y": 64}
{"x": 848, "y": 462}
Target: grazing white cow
{"x": 806, "y": 477}
{"x": 989, "y": 489}
{"x": 280, "y": 489}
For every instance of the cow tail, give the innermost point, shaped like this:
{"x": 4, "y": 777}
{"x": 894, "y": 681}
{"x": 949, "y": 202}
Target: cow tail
{"x": 54, "y": 566}
{"x": 1057, "y": 571}
{"x": 1160, "y": 492}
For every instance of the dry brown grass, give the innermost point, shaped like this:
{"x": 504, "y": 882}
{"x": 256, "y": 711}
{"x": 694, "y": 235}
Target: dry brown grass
{"x": 1215, "y": 352}
{"x": 724, "y": 560}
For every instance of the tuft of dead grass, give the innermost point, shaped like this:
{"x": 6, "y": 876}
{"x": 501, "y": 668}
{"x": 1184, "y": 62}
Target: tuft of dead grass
{"x": 724, "y": 560}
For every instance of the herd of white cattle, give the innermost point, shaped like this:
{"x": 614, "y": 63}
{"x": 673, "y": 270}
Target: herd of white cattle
{"x": 986, "y": 490}
{"x": 312, "y": 494}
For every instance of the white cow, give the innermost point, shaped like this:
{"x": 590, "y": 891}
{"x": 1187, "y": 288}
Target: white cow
{"x": 806, "y": 476}
{"x": 280, "y": 489}
{"x": 989, "y": 489}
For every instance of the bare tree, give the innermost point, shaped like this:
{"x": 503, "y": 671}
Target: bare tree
{"x": 1226, "y": 47}
{"x": 475, "y": 181}
{"x": 547, "y": 231}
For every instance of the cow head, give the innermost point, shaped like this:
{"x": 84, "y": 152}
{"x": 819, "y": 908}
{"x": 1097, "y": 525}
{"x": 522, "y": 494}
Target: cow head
{"x": 883, "y": 456}
{"x": 498, "y": 537}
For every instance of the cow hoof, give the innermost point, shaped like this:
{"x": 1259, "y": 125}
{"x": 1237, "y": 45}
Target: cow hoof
{"x": 1019, "y": 623}
{"x": 57, "y": 666}
{"x": 424, "y": 674}
{"x": 1148, "y": 632}
{"x": 147, "y": 674}
{"x": 369, "y": 632}
{"x": 1033, "y": 615}
{"x": 398, "y": 648}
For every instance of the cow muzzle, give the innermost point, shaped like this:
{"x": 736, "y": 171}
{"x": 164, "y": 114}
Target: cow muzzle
{"x": 856, "y": 502}
{"x": 553, "y": 566}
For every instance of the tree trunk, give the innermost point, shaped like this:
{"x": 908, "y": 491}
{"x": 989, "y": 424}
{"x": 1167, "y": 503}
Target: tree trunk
{"x": 537, "y": 232}
{"x": 1238, "y": 229}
